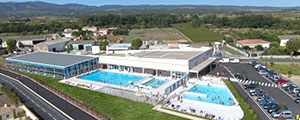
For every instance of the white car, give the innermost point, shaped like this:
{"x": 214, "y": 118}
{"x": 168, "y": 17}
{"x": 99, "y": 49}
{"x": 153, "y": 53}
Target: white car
{"x": 224, "y": 60}
{"x": 235, "y": 61}
{"x": 258, "y": 65}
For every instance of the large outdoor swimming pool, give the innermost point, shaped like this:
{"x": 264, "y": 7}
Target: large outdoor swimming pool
{"x": 155, "y": 83}
{"x": 112, "y": 78}
{"x": 211, "y": 94}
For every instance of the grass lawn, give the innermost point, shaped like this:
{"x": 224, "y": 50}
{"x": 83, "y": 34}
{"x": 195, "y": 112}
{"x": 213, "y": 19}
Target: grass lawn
{"x": 199, "y": 34}
{"x": 159, "y": 34}
{"x": 283, "y": 67}
{"x": 112, "y": 106}
{"x": 248, "y": 112}
{"x": 231, "y": 51}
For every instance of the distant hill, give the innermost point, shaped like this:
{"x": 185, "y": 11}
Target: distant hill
{"x": 31, "y": 9}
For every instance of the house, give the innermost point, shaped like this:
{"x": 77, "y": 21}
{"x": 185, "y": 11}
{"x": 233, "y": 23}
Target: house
{"x": 28, "y": 40}
{"x": 93, "y": 28}
{"x": 101, "y": 31}
{"x": 52, "y": 45}
{"x": 252, "y": 43}
{"x": 7, "y": 112}
{"x": 68, "y": 32}
{"x": 285, "y": 38}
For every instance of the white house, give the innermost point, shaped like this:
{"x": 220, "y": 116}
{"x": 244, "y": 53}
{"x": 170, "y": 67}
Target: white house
{"x": 68, "y": 32}
{"x": 101, "y": 31}
{"x": 252, "y": 43}
{"x": 93, "y": 28}
{"x": 285, "y": 38}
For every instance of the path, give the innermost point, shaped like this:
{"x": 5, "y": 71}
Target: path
{"x": 158, "y": 108}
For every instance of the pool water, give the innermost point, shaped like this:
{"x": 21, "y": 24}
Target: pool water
{"x": 155, "y": 83}
{"x": 206, "y": 93}
{"x": 112, "y": 78}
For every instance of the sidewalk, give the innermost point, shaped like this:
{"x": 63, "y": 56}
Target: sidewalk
{"x": 158, "y": 108}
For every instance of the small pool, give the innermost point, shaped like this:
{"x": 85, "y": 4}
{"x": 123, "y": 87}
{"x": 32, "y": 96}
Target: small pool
{"x": 211, "y": 94}
{"x": 112, "y": 78}
{"x": 155, "y": 83}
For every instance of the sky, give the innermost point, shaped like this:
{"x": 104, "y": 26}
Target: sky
{"x": 276, "y": 3}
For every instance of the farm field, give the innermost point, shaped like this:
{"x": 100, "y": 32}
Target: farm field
{"x": 199, "y": 34}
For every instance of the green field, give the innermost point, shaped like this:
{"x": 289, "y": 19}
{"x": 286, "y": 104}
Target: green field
{"x": 199, "y": 34}
{"x": 283, "y": 67}
{"x": 159, "y": 34}
{"x": 248, "y": 112}
{"x": 231, "y": 51}
{"x": 112, "y": 106}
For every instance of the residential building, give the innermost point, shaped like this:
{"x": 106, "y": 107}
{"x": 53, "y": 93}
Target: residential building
{"x": 53, "y": 64}
{"x": 252, "y": 43}
{"x": 68, "y": 32}
{"x": 93, "y": 28}
{"x": 101, "y": 31}
{"x": 57, "y": 45}
{"x": 285, "y": 38}
{"x": 7, "y": 112}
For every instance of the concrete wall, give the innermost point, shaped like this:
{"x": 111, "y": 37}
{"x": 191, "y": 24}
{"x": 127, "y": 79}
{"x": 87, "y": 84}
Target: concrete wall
{"x": 200, "y": 58}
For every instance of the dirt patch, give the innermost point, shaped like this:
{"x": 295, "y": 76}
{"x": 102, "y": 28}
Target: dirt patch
{"x": 293, "y": 78}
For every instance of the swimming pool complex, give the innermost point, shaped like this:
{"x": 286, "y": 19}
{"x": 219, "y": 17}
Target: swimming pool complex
{"x": 211, "y": 94}
{"x": 112, "y": 78}
{"x": 155, "y": 83}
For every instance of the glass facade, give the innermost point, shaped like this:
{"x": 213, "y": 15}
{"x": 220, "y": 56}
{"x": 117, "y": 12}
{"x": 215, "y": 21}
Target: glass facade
{"x": 53, "y": 71}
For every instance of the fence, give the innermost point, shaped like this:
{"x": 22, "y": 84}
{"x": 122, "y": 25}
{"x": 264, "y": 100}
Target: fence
{"x": 238, "y": 50}
{"x": 66, "y": 97}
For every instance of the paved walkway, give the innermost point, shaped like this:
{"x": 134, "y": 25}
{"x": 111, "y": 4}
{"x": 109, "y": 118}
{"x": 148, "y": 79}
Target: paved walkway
{"x": 158, "y": 108}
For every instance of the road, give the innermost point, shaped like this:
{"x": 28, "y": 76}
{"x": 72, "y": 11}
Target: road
{"x": 42, "y": 109}
{"x": 60, "y": 103}
{"x": 269, "y": 87}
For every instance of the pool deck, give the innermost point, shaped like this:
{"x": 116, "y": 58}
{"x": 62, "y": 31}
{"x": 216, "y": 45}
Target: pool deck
{"x": 226, "y": 112}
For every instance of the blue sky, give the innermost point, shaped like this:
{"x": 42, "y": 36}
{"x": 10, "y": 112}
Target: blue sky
{"x": 283, "y": 3}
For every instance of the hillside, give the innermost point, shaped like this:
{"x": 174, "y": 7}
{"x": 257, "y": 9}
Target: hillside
{"x": 199, "y": 34}
{"x": 33, "y": 9}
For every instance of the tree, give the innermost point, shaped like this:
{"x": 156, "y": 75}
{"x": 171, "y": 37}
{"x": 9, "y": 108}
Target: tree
{"x": 136, "y": 44}
{"x": 246, "y": 48}
{"x": 69, "y": 48}
{"x": 274, "y": 45}
{"x": 11, "y": 45}
{"x": 99, "y": 37}
{"x": 0, "y": 41}
{"x": 103, "y": 44}
{"x": 76, "y": 33}
{"x": 293, "y": 45}
{"x": 259, "y": 47}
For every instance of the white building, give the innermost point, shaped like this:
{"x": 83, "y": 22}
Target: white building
{"x": 175, "y": 62}
{"x": 93, "y": 28}
{"x": 68, "y": 32}
{"x": 252, "y": 43}
{"x": 52, "y": 46}
{"x": 285, "y": 38}
{"x": 7, "y": 112}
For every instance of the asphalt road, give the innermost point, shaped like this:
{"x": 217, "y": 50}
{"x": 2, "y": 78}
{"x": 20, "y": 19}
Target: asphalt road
{"x": 39, "y": 107}
{"x": 60, "y": 103}
{"x": 276, "y": 93}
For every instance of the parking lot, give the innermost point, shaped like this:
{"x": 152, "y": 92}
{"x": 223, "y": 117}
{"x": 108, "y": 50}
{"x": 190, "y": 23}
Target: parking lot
{"x": 269, "y": 87}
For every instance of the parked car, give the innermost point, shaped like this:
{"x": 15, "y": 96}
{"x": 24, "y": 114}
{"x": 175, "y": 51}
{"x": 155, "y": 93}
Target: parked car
{"x": 296, "y": 90}
{"x": 271, "y": 75}
{"x": 290, "y": 86}
{"x": 280, "y": 81}
{"x": 257, "y": 65}
{"x": 250, "y": 86}
{"x": 291, "y": 89}
{"x": 224, "y": 60}
{"x": 276, "y": 77}
{"x": 284, "y": 85}
{"x": 268, "y": 104}
{"x": 297, "y": 100}
{"x": 272, "y": 108}
{"x": 263, "y": 72}
{"x": 252, "y": 91}
{"x": 252, "y": 62}
{"x": 282, "y": 114}
{"x": 239, "y": 75}
{"x": 263, "y": 98}
{"x": 260, "y": 92}
{"x": 234, "y": 61}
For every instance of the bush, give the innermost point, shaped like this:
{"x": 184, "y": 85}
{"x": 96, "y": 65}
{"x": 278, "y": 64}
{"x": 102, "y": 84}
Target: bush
{"x": 136, "y": 44}
{"x": 259, "y": 47}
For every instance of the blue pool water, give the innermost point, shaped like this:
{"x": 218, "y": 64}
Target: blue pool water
{"x": 112, "y": 78}
{"x": 217, "y": 93}
{"x": 155, "y": 83}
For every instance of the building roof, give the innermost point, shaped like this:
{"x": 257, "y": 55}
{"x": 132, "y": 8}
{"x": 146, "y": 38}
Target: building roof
{"x": 252, "y": 41}
{"x": 119, "y": 45}
{"x": 53, "y": 42}
{"x": 54, "y": 59}
{"x": 81, "y": 42}
{"x": 28, "y": 37}
{"x": 288, "y": 36}
{"x": 5, "y": 110}
{"x": 181, "y": 55}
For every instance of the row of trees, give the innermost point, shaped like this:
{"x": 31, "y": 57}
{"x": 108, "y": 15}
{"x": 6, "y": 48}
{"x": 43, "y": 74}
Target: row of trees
{"x": 246, "y": 21}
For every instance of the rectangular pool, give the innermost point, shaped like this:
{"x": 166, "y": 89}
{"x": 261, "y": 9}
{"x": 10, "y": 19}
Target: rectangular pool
{"x": 112, "y": 78}
{"x": 155, "y": 83}
{"x": 211, "y": 94}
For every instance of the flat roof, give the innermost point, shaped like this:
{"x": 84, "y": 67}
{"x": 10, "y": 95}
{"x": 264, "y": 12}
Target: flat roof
{"x": 182, "y": 55}
{"x": 54, "y": 59}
